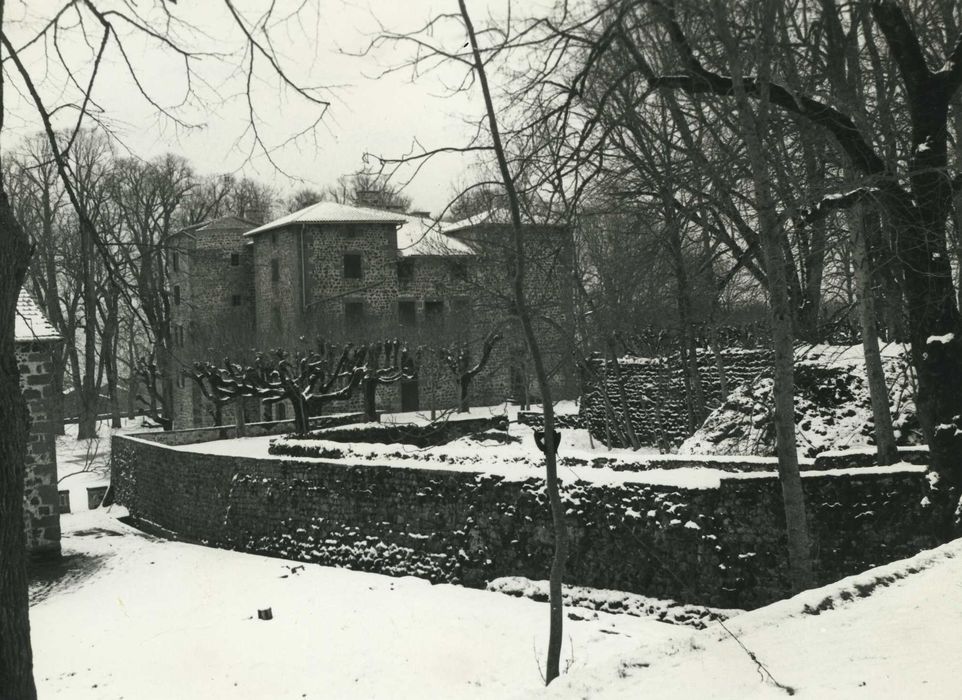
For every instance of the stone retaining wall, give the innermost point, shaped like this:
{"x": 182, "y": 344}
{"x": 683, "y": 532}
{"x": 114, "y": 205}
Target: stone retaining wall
{"x": 656, "y": 392}
{"x": 226, "y": 432}
{"x": 562, "y": 421}
{"x": 715, "y": 546}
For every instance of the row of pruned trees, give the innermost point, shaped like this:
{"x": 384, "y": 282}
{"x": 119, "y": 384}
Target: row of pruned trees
{"x": 311, "y": 380}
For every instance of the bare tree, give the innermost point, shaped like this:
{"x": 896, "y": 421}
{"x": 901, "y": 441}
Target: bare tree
{"x": 309, "y": 380}
{"x": 364, "y": 189}
{"x": 915, "y": 193}
{"x": 103, "y": 32}
{"x": 384, "y": 363}
{"x": 458, "y": 361}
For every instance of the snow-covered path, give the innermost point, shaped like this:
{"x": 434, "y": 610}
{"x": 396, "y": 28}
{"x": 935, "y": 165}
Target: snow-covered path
{"x": 157, "y": 619}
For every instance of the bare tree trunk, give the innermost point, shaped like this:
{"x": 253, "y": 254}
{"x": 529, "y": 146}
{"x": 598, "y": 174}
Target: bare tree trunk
{"x": 240, "y": 419}
{"x": 771, "y": 239}
{"x": 16, "y": 656}
{"x": 556, "y": 604}
{"x": 623, "y": 397}
{"x": 108, "y": 351}
{"x": 133, "y": 379}
{"x": 88, "y": 391}
{"x": 859, "y": 221}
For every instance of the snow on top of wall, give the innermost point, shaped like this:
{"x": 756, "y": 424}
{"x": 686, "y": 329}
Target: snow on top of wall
{"x": 457, "y": 458}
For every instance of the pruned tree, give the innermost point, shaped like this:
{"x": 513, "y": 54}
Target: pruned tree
{"x": 309, "y": 380}
{"x": 228, "y": 383}
{"x": 458, "y": 360}
{"x": 384, "y": 363}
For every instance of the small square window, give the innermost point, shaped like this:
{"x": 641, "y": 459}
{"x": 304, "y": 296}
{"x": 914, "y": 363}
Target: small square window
{"x": 434, "y": 312}
{"x": 459, "y": 270}
{"x": 352, "y": 266}
{"x": 234, "y": 259}
{"x": 353, "y": 313}
{"x": 405, "y": 270}
{"x": 407, "y": 313}
{"x": 275, "y": 270}
{"x": 235, "y": 300}
{"x": 176, "y": 295}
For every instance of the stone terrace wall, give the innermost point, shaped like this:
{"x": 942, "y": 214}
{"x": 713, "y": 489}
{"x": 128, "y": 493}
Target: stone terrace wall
{"x": 656, "y": 392}
{"x": 41, "y": 500}
{"x": 717, "y": 546}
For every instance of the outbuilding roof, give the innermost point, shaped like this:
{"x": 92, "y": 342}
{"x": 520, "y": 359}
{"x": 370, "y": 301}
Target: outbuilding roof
{"x": 222, "y": 223}
{"x": 30, "y": 323}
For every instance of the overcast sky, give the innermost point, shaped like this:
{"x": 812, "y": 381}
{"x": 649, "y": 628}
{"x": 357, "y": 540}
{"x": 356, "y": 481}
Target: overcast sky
{"x": 381, "y": 114}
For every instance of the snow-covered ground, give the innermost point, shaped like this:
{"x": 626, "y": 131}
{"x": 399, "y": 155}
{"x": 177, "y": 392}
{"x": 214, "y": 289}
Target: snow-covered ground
{"x": 146, "y": 618}
{"x": 129, "y": 615}
{"x": 901, "y": 640}
{"x": 83, "y": 464}
{"x": 832, "y": 405}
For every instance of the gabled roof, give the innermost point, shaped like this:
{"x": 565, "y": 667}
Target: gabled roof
{"x": 30, "y": 323}
{"x": 333, "y": 213}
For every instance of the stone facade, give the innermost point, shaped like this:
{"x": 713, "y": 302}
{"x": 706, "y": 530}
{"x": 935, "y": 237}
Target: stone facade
{"x": 212, "y": 308}
{"x": 36, "y": 341}
{"x": 369, "y": 275}
{"x": 722, "y": 546}
{"x": 656, "y": 391}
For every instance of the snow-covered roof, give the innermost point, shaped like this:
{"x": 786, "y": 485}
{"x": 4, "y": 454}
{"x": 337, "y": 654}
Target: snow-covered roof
{"x": 496, "y": 216}
{"x": 491, "y": 216}
{"x": 417, "y": 235}
{"x": 423, "y": 236}
{"x": 332, "y": 213}
{"x": 30, "y": 323}
{"x": 221, "y": 223}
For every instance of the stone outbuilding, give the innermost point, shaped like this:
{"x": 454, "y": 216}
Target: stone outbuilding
{"x": 36, "y": 341}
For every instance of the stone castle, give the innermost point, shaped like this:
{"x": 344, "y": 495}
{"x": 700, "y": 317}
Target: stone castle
{"x": 353, "y": 274}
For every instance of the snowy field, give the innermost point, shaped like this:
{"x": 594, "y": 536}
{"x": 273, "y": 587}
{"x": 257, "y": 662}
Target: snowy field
{"x": 138, "y": 617}
{"x": 145, "y": 618}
